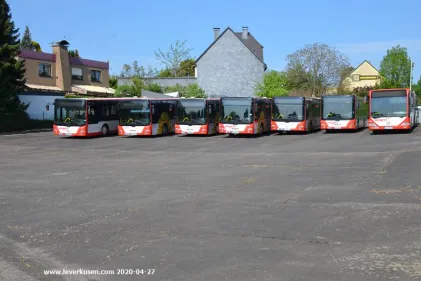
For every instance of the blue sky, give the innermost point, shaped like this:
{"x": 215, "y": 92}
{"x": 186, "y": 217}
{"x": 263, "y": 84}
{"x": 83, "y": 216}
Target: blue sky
{"x": 127, "y": 30}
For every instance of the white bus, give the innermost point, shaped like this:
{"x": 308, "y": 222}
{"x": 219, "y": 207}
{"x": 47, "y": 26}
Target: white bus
{"x": 295, "y": 114}
{"x": 85, "y": 117}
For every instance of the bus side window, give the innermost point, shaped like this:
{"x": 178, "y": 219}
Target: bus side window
{"x": 268, "y": 110}
{"x": 92, "y": 113}
{"x": 113, "y": 109}
{"x": 257, "y": 110}
{"x": 214, "y": 111}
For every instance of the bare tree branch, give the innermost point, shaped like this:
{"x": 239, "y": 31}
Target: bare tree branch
{"x": 174, "y": 56}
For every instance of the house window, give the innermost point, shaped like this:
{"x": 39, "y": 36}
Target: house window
{"x": 355, "y": 77}
{"x": 95, "y": 75}
{"x": 77, "y": 73}
{"x": 44, "y": 70}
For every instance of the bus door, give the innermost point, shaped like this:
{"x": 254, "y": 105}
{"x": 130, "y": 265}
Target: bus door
{"x": 93, "y": 116}
{"x": 213, "y": 118}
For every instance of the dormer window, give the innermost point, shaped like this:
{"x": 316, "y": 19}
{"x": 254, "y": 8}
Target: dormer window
{"x": 95, "y": 76}
{"x": 355, "y": 77}
{"x": 44, "y": 70}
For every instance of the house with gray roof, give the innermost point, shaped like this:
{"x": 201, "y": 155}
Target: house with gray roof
{"x": 232, "y": 65}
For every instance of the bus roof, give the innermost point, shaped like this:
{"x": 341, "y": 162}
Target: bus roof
{"x": 199, "y": 98}
{"x": 89, "y": 98}
{"x": 394, "y": 89}
{"x": 140, "y": 98}
{"x": 245, "y": 97}
{"x": 349, "y": 95}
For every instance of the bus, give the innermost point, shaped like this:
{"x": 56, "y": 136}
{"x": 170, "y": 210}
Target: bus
{"x": 295, "y": 114}
{"x": 198, "y": 116}
{"x": 343, "y": 112}
{"x": 146, "y": 116}
{"x": 245, "y": 115}
{"x": 392, "y": 109}
{"x": 85, "y": 117}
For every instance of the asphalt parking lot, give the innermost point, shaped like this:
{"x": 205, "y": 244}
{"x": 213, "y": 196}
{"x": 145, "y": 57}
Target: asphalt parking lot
{"x": 313, "y": 207}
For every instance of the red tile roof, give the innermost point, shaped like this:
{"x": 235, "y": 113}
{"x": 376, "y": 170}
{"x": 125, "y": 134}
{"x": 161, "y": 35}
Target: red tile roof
{"x": 27, "y": 54}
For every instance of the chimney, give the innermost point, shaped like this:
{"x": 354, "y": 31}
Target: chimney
{"x": 63, "y": 73}
{"x": 245, "y": 32}
{"x": 216, "y": 32}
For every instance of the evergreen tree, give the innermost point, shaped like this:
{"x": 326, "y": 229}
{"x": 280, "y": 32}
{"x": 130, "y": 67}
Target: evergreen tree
{"x": 12, "y": 71}
{"x": 26, "y": 43}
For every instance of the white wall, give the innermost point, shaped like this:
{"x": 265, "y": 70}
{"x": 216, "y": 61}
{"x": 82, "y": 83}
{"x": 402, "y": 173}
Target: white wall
{"x": 37, "y": 104}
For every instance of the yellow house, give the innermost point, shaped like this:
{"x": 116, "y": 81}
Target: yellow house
{"x": 365, "y": 75}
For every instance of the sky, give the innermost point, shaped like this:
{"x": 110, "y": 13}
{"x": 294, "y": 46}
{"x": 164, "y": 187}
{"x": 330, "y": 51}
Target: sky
{"x": 127, "y": 30}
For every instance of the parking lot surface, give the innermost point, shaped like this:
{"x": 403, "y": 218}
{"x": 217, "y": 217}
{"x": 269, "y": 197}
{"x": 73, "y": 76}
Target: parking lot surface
{"x": 277, "y": 207}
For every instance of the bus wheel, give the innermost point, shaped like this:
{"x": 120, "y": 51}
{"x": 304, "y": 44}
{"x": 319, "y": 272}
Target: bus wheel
{"x": 165, "y": 130}
{"x": 104, "y": 131}
{"x": 375, "y": 132}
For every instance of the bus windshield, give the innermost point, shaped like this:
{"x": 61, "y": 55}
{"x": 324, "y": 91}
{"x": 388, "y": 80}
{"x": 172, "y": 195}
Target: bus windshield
{"x": 288, "y": 109}
{"x": 70, "y": 112}
{"x": 135, "y": 112}
{"x": 388, "y": 105}
{"x": 236, "y": 110}
{"x": 337, "y": 108}
{"x": 191, "y": 112}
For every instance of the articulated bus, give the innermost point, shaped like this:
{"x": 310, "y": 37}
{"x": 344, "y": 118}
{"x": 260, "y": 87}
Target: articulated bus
{"x": 198, "y": 116}
{"x": 296, "y": 114}
{"x": 146, "y": 117}
{"x": 245, "y": 115}
{"x": 392, "y": 109}
{"x": 343, "y": 112}
{"x": 85, "y": 116}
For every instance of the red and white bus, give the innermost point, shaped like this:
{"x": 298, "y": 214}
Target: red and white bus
{"x": 392, "y": 109}
{"x": 146, "y": 117}
{"x": 295, "y": 114}
{"x": 245, "y": 115}
{"x": 85, "y": 117}
{"x": 197, "y": 116}
{"x": 343, "y": 112}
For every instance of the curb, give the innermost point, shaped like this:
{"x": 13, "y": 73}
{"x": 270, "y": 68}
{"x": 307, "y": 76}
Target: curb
{"x": 27, "y": 131}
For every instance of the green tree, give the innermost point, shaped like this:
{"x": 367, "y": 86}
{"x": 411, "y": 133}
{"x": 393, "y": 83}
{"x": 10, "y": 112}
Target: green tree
{"x": 134, "y": 89}
{"x": 395, "y": 69}
{"x": 344, "y": 83}
{"x": 113, "y": 82}
{"x": 74, "y": 53}
{"x": 193, "y": 91}
{"x": 175, "y": 88}
{"x": 136, "y": 70}
{"x": 154, "y": 88}
{"x": 12, "y": 71}
{"x": 417, "y": 89}
{"x": 37, "y": 46}
{"x": 174, "y": 56}
{"x": 187, "y": 68}
{"x": 320, "y": 64}
{"x": 26, "y": 42}
{"x": 274, "y": 85}
{"x": 165, "y": 73}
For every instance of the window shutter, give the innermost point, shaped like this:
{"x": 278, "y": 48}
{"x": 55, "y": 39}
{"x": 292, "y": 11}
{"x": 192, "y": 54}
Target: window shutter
{"x": 77, "y": 71}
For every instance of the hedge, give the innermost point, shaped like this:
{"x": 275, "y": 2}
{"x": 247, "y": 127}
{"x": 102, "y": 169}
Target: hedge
{"x": 19, "y": 121}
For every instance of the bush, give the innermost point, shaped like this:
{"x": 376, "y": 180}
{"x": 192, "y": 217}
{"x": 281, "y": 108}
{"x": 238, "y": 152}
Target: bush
{"x": 154, "y": 88}
{"x": 20, "y": 121}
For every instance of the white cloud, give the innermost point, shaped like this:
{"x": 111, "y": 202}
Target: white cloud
{"x": 379, "y": 47}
